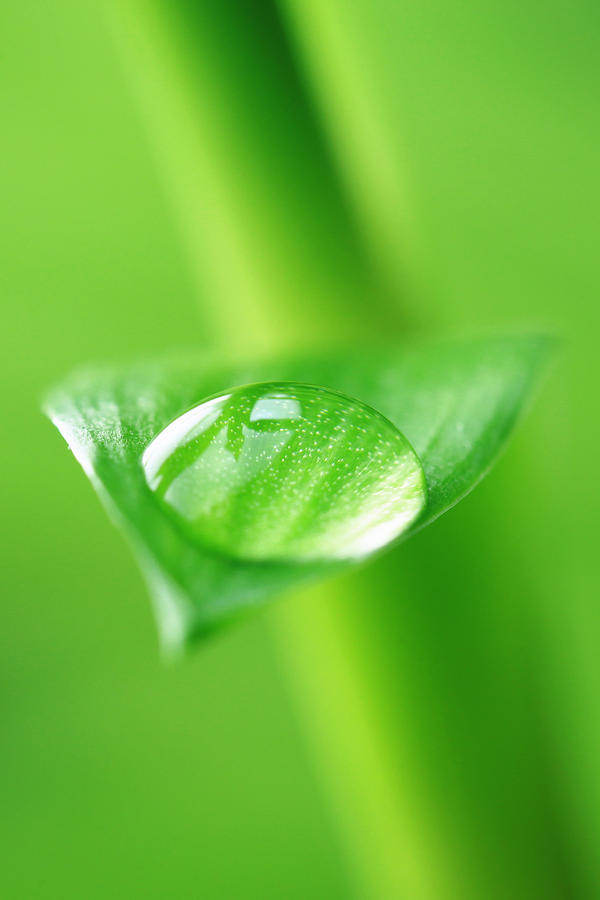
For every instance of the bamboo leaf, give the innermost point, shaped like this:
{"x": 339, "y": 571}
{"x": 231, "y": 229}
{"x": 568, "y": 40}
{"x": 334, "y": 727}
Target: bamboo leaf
{"x": 455, "y": 403}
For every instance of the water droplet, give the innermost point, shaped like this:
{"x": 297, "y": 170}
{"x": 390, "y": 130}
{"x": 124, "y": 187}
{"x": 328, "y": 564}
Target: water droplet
{"x": 285, "y": 471}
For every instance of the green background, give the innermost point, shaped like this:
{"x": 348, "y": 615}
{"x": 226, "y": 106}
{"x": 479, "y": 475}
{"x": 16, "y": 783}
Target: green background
{"x": 253, "y": 177}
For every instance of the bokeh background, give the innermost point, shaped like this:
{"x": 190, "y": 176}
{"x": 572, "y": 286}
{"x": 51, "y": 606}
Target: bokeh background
{"x": 250, "y": 177}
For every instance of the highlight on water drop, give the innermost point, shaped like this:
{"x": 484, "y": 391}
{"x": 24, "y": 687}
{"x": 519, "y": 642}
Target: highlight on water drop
{"x": 285, "y": 471}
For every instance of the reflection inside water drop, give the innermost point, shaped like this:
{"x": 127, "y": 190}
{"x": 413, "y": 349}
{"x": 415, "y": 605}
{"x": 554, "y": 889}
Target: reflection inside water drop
{"x": 284, "y": 471}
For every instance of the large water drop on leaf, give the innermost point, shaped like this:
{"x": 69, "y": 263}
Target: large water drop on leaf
{"x": 285, "y": 471}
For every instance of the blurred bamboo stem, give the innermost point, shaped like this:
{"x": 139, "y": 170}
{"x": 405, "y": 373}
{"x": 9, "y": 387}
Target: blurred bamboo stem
{"x": 389, "y": 848}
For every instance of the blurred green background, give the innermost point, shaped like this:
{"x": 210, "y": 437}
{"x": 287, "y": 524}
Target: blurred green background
{"x": 246, "y": 178}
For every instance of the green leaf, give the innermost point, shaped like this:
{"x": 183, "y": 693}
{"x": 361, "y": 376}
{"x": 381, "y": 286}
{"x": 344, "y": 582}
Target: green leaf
{"x": 456, "y": 404}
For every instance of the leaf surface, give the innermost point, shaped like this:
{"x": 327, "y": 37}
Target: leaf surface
{"x": 455, "y": 402}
